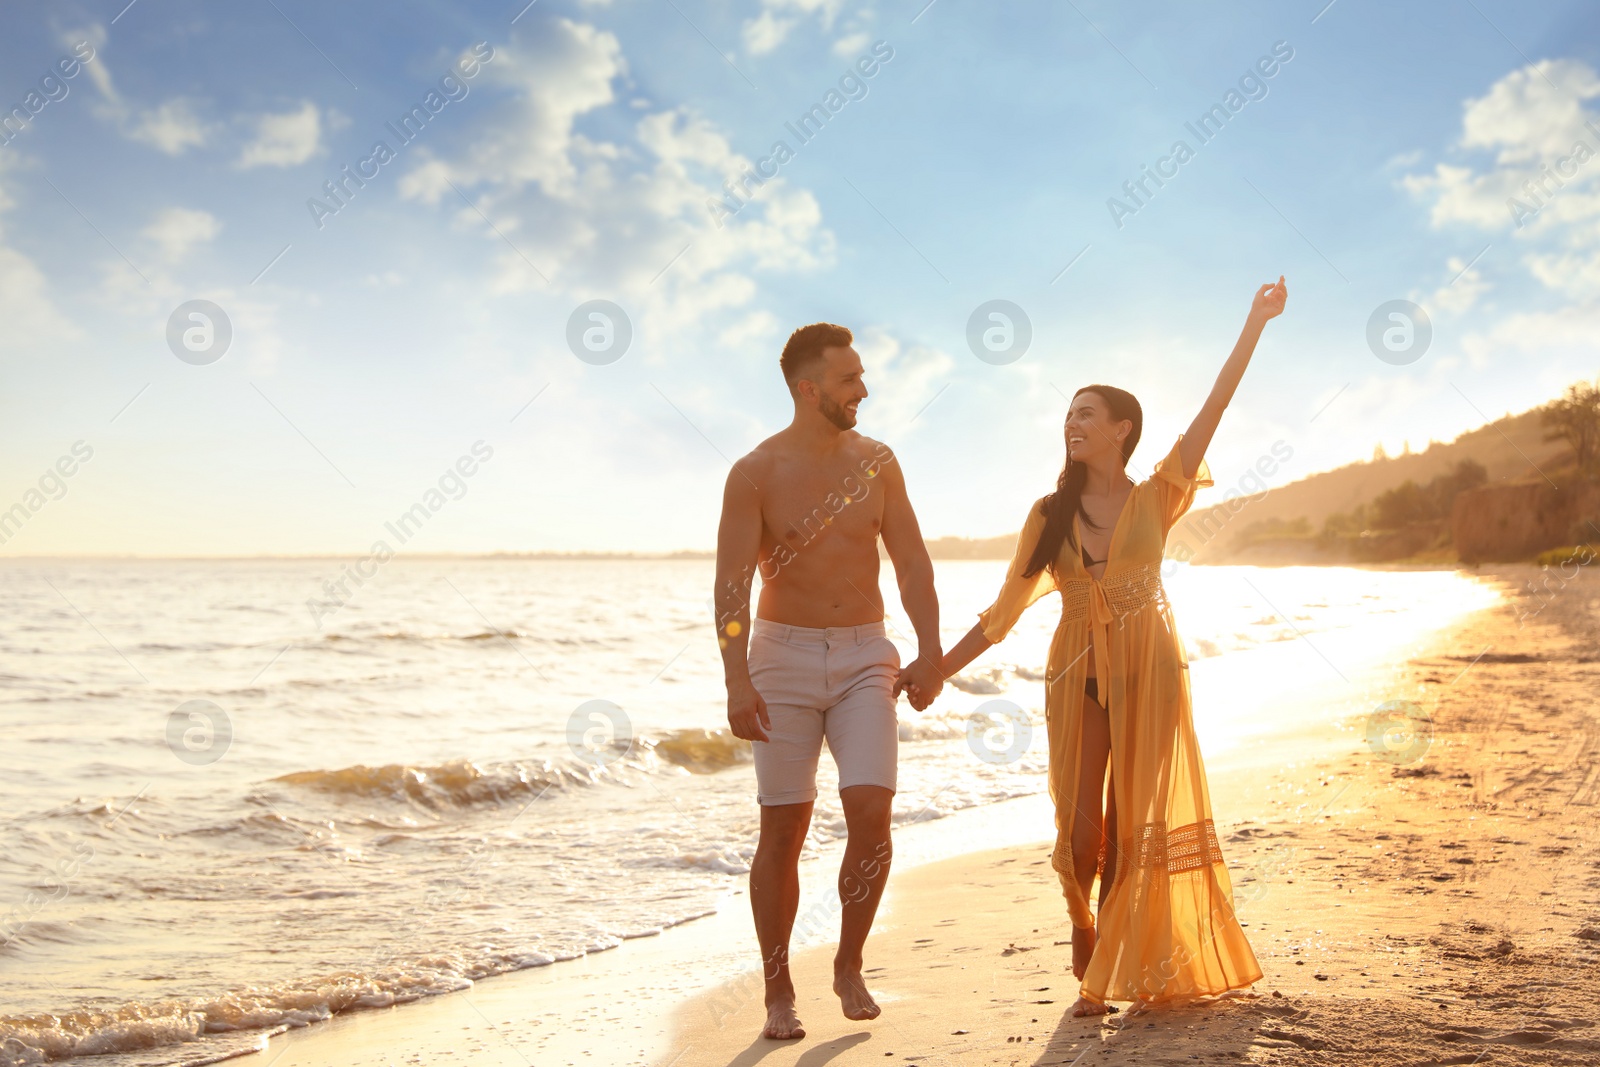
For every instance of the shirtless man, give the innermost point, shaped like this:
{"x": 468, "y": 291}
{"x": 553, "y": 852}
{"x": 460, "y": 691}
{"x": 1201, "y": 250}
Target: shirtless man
{"x": 806, "y": 508}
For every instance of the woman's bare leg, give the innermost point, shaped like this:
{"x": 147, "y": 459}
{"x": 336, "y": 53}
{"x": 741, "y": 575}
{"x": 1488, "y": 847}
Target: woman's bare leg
{"x": 1088, "y": 830}
{"x": 1108, "y": 877}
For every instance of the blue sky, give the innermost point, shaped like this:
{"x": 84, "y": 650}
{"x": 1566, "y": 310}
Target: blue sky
{"x": 371, "y": 352}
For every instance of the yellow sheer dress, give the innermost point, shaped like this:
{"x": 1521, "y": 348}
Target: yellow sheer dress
{"x": 1167, "y": 930}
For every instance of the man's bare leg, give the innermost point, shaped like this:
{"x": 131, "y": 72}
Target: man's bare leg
{"x": 775, "y": 899}
{"x": 861, "y": 880}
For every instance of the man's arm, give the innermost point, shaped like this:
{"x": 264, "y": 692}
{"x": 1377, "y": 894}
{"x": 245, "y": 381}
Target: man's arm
{"x": 738, "y": 552}
{"x": 913, "y": 572}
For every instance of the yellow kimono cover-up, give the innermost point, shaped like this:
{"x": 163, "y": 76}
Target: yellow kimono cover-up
{"x": 1167, "y": 929}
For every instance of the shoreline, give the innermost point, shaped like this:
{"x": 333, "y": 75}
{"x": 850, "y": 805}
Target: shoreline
{"x": 555, "y": 1013}
{"x": 632, "y": 1001}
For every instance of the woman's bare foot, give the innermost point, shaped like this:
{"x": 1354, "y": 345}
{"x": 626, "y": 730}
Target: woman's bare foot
{"x": 782, "y": 1022}
{"x": 1085, "y": 1006}
{"x": 853, "y": 996}
{"x": 1082, "y": 949}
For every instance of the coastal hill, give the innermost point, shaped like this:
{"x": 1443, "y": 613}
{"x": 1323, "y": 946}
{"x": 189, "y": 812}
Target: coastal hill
{"x": 1334, "y": 514}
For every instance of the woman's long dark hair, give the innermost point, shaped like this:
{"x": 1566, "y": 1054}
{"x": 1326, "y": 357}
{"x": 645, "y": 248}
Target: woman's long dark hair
{"x": 1059, "y": 507}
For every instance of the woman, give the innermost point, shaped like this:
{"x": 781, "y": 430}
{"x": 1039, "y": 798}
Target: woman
{"x": 1117, "y": 688}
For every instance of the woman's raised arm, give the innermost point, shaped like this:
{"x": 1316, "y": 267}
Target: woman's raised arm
{"x": 1268, "y": 304}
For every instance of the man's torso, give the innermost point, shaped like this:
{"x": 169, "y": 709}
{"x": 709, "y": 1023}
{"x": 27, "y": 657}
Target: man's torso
{"x": 820, "y": 519}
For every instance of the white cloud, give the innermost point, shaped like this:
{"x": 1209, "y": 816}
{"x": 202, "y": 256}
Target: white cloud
{"x": 31, "y": 317}
{"x": 769, "y": 29}
{"x": 608, "y": 217}
{"x": 1541, "y": 185}
{"x": 1404, "y": 159}
{"x": 565, "y": 71}
{"x": 756, "y": 326}
{"x": 26, "y": 307}
{"x": 1531, "y": 114}
{"x": 173, "y": 127}
{"x": 852, "y": 44}
{"x": 257, "y": 344}
{"x": 1461, "y": 292}
{"x": 900, "y": 380}
{"x": 177, "y": 230}
{"x": 1550, "y": 339}
{"x": 765, "y": 32}
{"x": 284, "y": 140}
{"x": 97, "y": 71}
{"x": 1533, "y": 122}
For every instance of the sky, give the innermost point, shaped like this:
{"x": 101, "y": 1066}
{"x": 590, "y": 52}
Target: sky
{"x": 210, "y": 348}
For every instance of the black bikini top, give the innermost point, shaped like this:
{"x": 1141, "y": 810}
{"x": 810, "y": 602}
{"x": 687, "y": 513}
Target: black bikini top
{"x": 1087, "y": 562}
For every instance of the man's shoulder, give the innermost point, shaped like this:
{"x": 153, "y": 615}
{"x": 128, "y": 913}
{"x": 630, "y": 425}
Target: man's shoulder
{"x": 780, "y": 445}
{"x": 758, "y": 460}
{"x": 873, "y": 459}
{"x": 763, "y": 458}
{"x": 865, "y": 446}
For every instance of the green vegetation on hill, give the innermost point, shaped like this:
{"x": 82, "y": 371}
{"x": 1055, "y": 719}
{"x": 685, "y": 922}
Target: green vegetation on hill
{"x": 1408, "y": 502}
{"x": 1574, "y": 418}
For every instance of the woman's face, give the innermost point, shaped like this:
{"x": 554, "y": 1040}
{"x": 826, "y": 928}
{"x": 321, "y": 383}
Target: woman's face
{"x": 1091, "y": 432}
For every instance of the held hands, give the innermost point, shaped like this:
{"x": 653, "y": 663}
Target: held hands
{"x": 1269, "y": 301}
{"x": 921, "y": 682}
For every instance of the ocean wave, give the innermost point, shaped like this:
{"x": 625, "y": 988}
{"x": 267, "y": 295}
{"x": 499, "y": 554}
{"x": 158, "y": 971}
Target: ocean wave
{"x": 940, "y": 726}
{"x": 408, "y": 635}
{"x": 21, "y": 935}
{"x": 41, "y": 1038}
{"x": 976, "y": 686}
{"x": 991, "y": 681}
{"x": 716, "y": 860}
{"x": 458, "y": 783}
{"x": 701, "y": 751}
{"x": 466, "y": 783}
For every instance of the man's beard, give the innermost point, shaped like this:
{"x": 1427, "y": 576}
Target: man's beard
{"x": 837, "y": 414}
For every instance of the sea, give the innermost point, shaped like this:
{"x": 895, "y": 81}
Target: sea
{"x": 237, "y": 796}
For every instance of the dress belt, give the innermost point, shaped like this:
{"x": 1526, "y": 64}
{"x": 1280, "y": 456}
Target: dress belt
{"x": 1108, "y": 600}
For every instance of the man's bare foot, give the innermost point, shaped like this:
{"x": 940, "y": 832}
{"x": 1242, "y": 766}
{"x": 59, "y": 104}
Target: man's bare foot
{"x": 782, "y": 1022}
{"x": 1085, "y": 1006}
{"x": 1082, "y": 949}
{"x": 853, "y": 996}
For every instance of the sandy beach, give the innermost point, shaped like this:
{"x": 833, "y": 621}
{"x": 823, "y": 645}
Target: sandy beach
{"x": 1438, "y": 906}
{"x": 1441, "y": 911}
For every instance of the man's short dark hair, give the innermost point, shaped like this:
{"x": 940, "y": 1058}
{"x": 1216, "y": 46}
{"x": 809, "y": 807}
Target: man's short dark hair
{"x": 804, "y": 349}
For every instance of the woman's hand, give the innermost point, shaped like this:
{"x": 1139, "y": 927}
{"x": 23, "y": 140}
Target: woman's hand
{"x": 1269, "y": 301}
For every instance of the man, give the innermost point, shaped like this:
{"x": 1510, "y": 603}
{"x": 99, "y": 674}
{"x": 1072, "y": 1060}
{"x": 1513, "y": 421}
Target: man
{"x": 806, "y": 508}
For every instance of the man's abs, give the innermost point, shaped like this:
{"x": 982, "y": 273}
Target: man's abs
{"x": 835, "y": 589}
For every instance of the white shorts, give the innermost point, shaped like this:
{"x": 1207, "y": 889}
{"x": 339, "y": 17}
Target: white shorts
{"x": 835, "y": 682}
